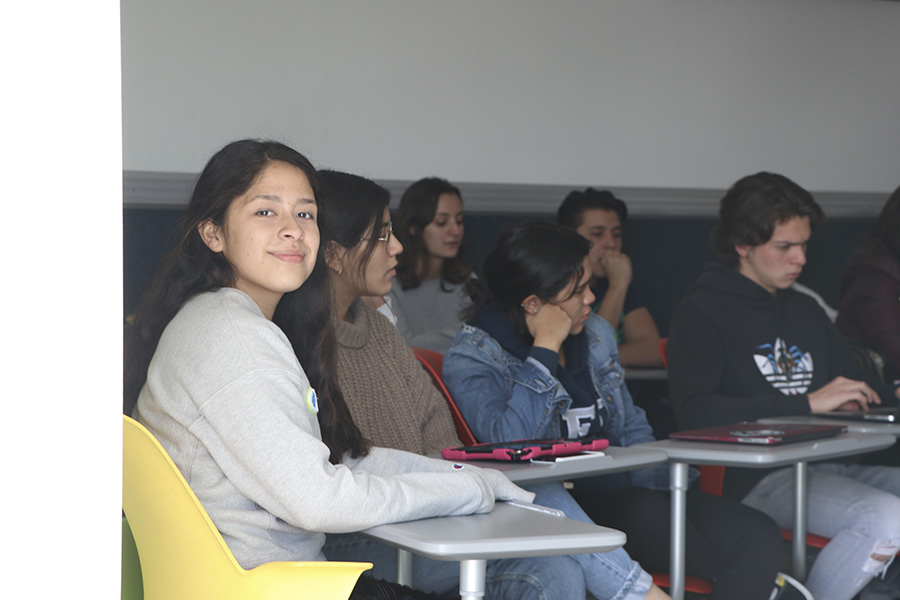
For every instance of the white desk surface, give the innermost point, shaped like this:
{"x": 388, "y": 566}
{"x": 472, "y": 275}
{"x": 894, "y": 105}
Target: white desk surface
{"x": 682, "y": 452}
{"x": 507, "y": 532}
{"x": 853, "y": 425}
{"x": 751, "y": 455}
{"x": 612, "y": 460}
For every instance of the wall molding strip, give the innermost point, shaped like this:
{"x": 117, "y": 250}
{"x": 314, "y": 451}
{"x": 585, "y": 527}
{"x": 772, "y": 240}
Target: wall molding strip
{"x": 146, "y": 189}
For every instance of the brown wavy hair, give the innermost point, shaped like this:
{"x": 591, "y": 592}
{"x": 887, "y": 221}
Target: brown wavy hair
{"x": 418, "y": 206}
{"x": 753, "y": 206}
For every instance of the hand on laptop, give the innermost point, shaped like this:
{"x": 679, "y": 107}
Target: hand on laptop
{"x": 842, "y": 394}
{"x": 852, "y": 406}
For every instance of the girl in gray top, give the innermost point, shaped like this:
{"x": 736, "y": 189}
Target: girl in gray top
{"x": 432, "y": 285}
{"x": 396, "y": 405}
{"x": 268, "y": 445}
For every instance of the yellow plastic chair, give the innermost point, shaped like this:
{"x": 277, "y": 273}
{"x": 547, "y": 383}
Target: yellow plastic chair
{"x": 183, "y": 556}
{"x": 132, "y": 588}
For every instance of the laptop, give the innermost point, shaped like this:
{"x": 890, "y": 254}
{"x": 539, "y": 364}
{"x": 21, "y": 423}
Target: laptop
{"x": 880, "y": 414}
{"x": 767, "y": 434}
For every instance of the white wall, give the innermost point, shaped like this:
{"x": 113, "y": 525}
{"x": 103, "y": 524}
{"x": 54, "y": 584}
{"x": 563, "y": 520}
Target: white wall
{"x": 655, "y": 93}
{"x": 61, "y": 259}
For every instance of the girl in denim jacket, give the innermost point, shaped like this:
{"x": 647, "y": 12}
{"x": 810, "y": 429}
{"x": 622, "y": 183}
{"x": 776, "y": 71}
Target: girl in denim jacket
{"x": 394, "y": 403}
{"x": 532, "y": 361}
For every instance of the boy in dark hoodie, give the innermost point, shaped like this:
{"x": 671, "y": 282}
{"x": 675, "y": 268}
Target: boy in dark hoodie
{"x": 743, "y": 345}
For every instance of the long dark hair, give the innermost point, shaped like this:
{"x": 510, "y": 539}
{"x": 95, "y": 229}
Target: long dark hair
{"x": 357, "y": 207}
{"x": 534, "y": 257}
{"x": 887, "y": 227}
{"x": 192, "y": 268}
{"x": 418, "y": 206}
{"x": 354, "y": 210}
{"x": 304, "y": 316}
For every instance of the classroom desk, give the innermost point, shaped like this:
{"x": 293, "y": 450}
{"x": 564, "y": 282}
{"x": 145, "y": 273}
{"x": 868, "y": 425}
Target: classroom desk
{"x": 683, "y": 453}
{"x": 509, "y": 531}
{"x": 853, "y": 425}
{"x": 612, "y": 460}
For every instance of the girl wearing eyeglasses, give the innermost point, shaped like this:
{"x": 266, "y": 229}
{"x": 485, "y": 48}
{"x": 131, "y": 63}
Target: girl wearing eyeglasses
{"x": 395, "y": 405}
{"x": 533, "y": 361}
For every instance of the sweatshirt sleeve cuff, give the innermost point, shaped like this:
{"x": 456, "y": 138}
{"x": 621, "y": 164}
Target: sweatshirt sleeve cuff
{"x": 548, "y": 358}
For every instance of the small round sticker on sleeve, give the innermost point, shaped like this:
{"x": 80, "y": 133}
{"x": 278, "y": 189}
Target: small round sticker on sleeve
{"x": 457, "y": 466}
{"x": 312, "y": 401}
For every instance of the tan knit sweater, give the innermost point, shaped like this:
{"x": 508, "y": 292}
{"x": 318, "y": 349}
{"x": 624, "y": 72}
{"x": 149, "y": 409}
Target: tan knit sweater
{"x": 390, "y": 395}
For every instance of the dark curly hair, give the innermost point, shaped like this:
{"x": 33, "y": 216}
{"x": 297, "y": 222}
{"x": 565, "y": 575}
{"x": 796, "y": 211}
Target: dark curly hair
{"x": 753, "y": 206}
{"x": 887, "y": 227}
{"x": 571, "y": 212}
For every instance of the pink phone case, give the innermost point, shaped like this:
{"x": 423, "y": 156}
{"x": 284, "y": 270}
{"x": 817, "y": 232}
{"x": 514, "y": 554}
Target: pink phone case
{"x": 524, "y": 449}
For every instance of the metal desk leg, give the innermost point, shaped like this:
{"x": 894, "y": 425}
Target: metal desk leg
{"x": 800, "y": 496}
{"x": 404, "y": 567}
{"x": 678, "y": 484}
{"x": 472, "y": 579}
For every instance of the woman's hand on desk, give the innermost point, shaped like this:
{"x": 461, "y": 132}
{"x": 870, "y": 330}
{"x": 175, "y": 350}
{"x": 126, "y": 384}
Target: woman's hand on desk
{"x": 504, "y": 489}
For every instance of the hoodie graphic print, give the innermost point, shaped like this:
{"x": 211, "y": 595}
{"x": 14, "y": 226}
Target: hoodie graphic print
{"x": 738, "y": 352}
{"x": 788, "y": 369}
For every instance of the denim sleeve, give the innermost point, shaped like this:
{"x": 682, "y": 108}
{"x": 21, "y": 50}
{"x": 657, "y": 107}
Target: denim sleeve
{"x": 637, "y": 427}
{"x": 628, "y": 424}
{"x": 501, "y": 398}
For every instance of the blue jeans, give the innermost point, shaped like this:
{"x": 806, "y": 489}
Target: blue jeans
{"x": 857, "y": 506}
{"x": 729, "y": 544}
{"x": 608, "y": 576}
{"x": 545, "y": 578}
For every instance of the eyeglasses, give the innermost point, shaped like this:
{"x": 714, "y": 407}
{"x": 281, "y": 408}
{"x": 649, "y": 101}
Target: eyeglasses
{"x": 386, "y": 237}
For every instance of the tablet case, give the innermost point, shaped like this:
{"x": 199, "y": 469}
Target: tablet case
{"x": 524, "y": 449}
